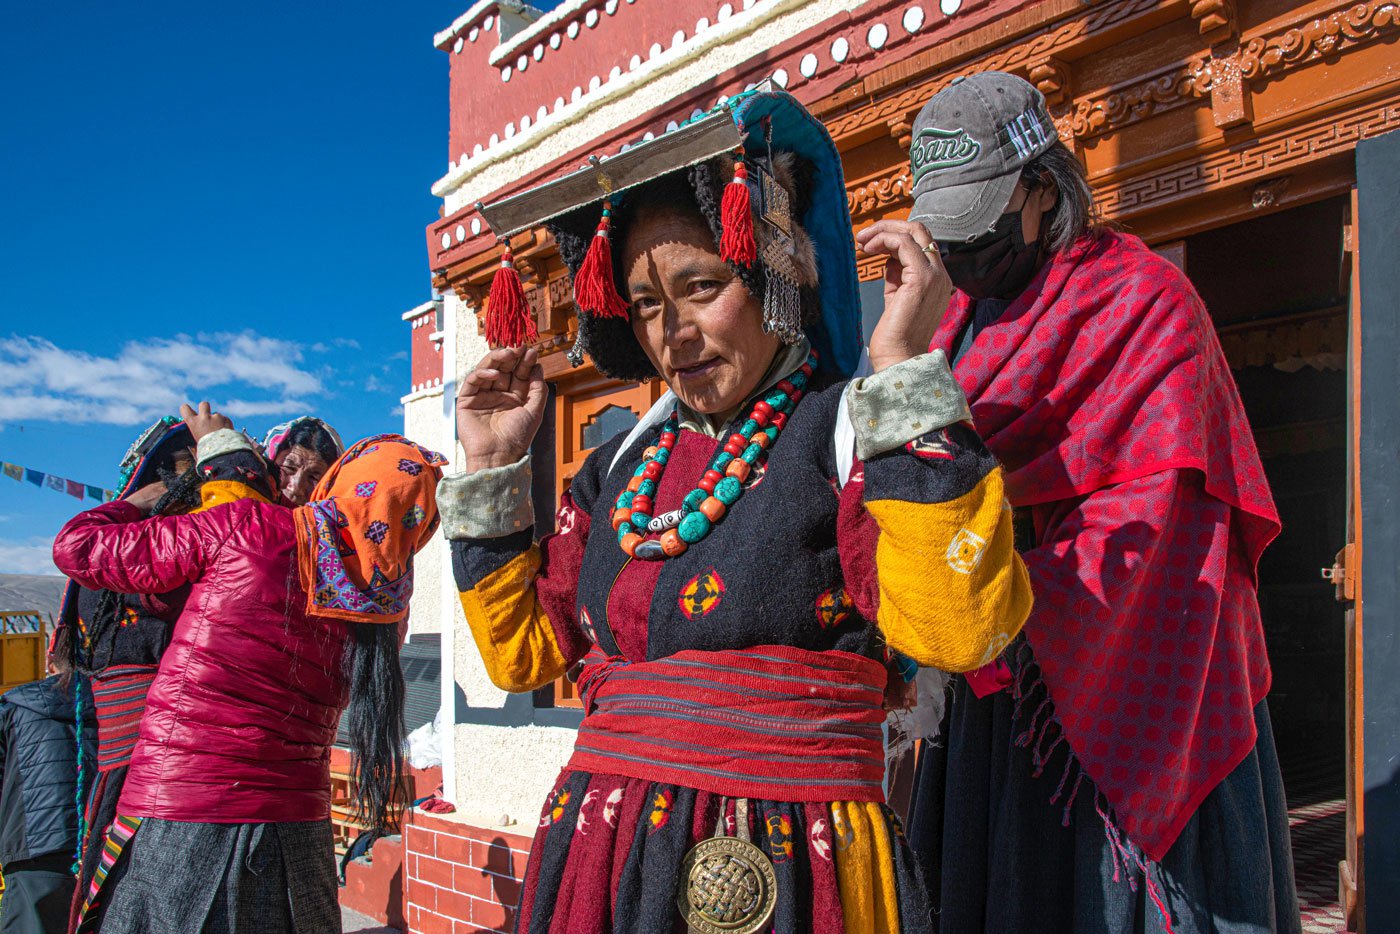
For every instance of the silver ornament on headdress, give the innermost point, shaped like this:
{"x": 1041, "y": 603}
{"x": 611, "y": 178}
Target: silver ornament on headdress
{"x": 782, "y": 292}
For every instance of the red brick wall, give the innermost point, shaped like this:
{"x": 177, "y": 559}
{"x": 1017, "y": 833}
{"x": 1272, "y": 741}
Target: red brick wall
{"x": 460, "y": 878}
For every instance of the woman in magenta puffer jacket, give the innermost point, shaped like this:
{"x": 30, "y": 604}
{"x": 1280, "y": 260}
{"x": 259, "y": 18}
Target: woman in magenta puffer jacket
{"x": 224, "y": 820}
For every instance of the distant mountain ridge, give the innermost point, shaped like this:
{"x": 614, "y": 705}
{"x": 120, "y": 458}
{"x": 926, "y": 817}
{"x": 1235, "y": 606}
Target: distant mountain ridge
{"x": 42, "y": 592}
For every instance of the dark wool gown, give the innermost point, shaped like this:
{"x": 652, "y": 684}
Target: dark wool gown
{"x": 1012, "y": 840}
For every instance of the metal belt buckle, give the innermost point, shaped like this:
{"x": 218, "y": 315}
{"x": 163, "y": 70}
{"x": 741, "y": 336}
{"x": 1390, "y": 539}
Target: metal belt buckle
{"x": 728, "y": 884}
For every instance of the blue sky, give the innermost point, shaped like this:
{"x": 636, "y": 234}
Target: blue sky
{"x": 206, "y": 202}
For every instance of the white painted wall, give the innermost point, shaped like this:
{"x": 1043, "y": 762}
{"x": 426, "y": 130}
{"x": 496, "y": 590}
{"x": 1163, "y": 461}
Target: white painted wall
{"x": 723, "y": 46}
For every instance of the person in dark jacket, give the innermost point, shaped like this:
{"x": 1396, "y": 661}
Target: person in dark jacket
{"x": 38, "y": 794}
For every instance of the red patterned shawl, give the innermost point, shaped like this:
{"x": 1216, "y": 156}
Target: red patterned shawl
{"x": 1104, "y": 392}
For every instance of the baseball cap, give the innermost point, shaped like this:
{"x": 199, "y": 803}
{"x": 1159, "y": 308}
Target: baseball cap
{"x": 969, "y": 145}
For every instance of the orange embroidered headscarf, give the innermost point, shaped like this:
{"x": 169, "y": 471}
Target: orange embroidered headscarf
{"x": 371, "y": 512}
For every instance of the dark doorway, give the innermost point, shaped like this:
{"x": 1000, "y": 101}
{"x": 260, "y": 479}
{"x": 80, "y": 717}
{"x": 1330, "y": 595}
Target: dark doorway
{"x": 1274, "y": 286}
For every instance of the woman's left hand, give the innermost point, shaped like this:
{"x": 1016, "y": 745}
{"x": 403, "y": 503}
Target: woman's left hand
{"x": 917, "y": 290}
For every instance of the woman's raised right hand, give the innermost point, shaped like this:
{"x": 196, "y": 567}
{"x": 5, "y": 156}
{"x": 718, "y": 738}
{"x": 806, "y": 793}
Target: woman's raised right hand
{"x": 500, "y": 407}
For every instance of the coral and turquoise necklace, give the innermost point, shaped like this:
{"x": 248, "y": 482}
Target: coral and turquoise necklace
{"x": 720, "y": 487}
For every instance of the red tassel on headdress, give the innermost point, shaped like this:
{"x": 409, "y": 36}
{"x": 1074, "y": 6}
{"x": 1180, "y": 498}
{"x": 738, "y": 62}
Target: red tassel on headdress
{"x": 508, "y": 319}
{"x": 736, "y": 215}
{"x": 595, "y": 291}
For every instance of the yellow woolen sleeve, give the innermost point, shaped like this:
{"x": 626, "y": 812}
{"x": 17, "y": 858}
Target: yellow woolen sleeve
{"x": 953, "y": 590}
{"x": 511, "y": 630}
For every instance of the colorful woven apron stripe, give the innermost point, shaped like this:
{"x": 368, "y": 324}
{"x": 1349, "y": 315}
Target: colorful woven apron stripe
{"x": 770, "y": 722}
{"x": 119, "y": 695}
{"x": 118, "y": 836}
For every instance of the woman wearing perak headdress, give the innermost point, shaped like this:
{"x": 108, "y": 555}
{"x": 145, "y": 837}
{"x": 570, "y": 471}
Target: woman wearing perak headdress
{"x": 740, "y": 575}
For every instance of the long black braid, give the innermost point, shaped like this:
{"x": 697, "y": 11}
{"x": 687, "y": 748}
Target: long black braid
{"x": 375, "y": 720}
{"x": 181, "y": 492}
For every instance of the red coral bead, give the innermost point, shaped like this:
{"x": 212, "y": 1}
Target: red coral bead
{"x": 762, "y": 408}
{"x": 787, "y": 387}
{"x": 620, "y": 516}
{"x": 651, "y": 471}
{"x": 780, "y": 420}
{"x": 672, "y": 543}
{"x": 642, "y": 504}
{"x": 713, "y": 508}
{"x": 707, "y": 484}
{"x": 668, "y": 438}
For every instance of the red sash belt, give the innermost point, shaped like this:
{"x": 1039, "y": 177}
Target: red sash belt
{"x": 119, "y": 697}
{"x": 769, "y": 722}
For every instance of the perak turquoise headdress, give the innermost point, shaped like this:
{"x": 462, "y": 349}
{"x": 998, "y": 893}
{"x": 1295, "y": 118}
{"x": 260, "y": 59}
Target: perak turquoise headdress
{"x": 766, "y": 229}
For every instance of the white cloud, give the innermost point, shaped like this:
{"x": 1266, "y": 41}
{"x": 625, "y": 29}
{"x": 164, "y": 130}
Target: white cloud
{"x": 144, "y": 379}
{"x": 34, "y": 556}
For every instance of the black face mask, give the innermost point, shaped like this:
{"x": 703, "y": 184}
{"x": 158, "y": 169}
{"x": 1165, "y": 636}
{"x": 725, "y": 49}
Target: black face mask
{"x": 998, "y": 264}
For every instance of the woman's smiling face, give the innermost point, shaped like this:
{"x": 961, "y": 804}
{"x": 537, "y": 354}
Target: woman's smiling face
{"x": 697, "y": 322}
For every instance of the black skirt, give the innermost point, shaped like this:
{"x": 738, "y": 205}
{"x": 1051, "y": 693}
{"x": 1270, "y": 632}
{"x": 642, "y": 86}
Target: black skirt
{"x": 1010, "y": 847}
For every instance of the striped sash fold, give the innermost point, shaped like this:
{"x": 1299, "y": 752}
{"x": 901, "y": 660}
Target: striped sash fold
{"x": 113, "y": 844}
{"x": 770, "y": 722}
{"x": 119, "y": 696}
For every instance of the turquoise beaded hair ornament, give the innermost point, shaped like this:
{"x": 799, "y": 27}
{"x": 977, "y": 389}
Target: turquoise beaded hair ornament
{"x": 147, "y": 447}
{"x": 751, "y": 128}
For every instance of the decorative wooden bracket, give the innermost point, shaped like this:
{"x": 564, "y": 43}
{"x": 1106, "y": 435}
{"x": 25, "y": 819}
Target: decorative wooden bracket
{"x": 1230, "y": 104}
{"x": 1216, "y": 18}
{"x": 903, "y": 133}
{"x": 1050, "y": 75}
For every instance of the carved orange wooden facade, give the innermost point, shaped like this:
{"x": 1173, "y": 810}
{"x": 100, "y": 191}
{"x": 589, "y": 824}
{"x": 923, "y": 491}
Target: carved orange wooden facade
{"x": 1190, "y": 115}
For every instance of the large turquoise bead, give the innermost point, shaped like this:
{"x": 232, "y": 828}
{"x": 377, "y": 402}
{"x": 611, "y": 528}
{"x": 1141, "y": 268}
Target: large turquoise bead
{"x": 748, "y": 428}
{"x": 694, "y": 527}
{"x": 694, "y": 498}
{"x": 751, "y": 453}
{"x": 729, "y": 490}
{"x": 647, "y": 488}
{"x": 721, "y": 461}
{"x": 625, "y": 499}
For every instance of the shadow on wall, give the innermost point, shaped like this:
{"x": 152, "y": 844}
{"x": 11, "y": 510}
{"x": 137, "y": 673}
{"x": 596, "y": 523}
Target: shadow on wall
{"x": 505, "y": 882}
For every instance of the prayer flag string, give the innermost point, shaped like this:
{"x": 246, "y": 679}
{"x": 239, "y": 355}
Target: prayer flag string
{"x": 56, "y": 483}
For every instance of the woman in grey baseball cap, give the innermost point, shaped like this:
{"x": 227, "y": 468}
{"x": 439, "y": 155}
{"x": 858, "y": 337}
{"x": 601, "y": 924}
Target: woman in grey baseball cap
{"x": 1114, "y": 769}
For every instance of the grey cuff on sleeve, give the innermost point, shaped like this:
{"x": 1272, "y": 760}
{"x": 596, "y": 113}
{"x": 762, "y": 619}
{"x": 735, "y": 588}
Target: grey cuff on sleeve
{"x": 221, "y": 442}
{"x": 487, "y": 503}
{"x": 902, "y": 402}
